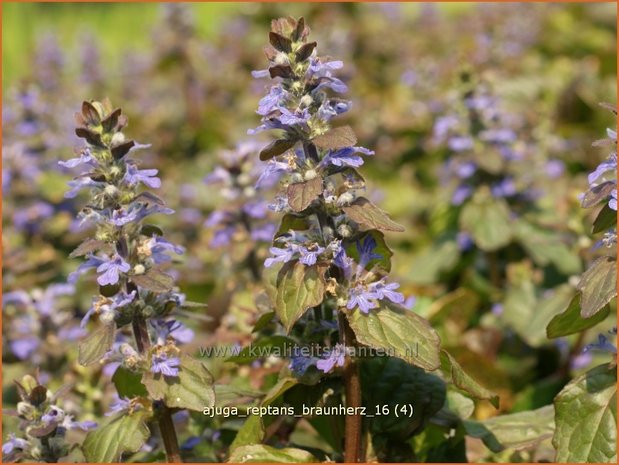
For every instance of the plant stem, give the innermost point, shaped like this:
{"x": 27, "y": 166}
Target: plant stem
{"x": 352, "y": 390}
{"x": 166, "y": 425}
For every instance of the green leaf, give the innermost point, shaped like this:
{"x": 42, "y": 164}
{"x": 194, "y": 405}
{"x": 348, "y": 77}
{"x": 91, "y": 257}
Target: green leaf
{"x": 253, "y": 429}
{"x": 122, "y": 433}
{"x": 570, "y": 321}
{"x": 598, "y": 286}
{"x": 399, "y": 332}
{"x": 263, "y": 321}
{"x": 520, "y": 430}
{"x": 336, "y": 138}
{"x": 292, "y": 222}
{"x": 293, "y": 289}
{"x": 369, "y": 216}
{"x": 271, "y": 345}
{"x": 128, "y": 384}
{"x": 429, "y": 263}
{"x": 546, "y": 247}
{"x": 277, "y": 147}
{"x": 459, "y": 404}
{"x": 586, "y": 418}
{"x": 381, "y": 249}
{"x": 454, "y": 309}
{"x": 154, "y": 280}
{"x": 259, "y": 453}
{"x": 393, "y": 383}
{"x": 96, "y": 344}
{"x": 302, "y": 194}
{"x": 606, "y": 219}
{"x": 487, "y": 220}
{"x": 191, "y": 389}
{"x": 463, "y": 381}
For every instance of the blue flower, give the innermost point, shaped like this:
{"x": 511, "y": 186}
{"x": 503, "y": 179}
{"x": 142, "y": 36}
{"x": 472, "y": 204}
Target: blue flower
{"x": 158, "y": 248}
{"x": 134, "y": 176}
{"x": 92, "y": 261}
{"x": 272, "y": 101}
{"x": 14, "y": 443}
{"x": 336, "y": 358}
{"x": 102, "y": 305}
{"x": 110, "y": 270}
{"x": 387, "y": 291}
{"x": 299, "y": 364}
{"x": 363, "y": 298}
{"x": 80, "y": 183}
{"x": 460, "y": 143}
{"x": 310, "y": 256}
{"x": 85, "y": 159}
{"x": 366, "y": 251}
{"x": 346, "y": 157}
{"x": 120, "y": 404}
{"x": 24, "y": 347}
{"x": 167, "y": 366}
{"x": 283, "y": 255}
{"x": 602, "y": 344}
{"x": 461, "y": 193}
{"x": 504, "y": 188}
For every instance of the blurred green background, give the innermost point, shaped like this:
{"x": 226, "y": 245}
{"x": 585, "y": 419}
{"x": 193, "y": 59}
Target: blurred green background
{"x": 119, "y": 26}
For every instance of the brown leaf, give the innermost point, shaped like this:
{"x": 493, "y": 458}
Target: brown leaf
{"x": 110, "y": 123}
{"x": 336, "y": 138}
{"x": 275, "y": 148}
{"x": 90, "y": 114}
{"x": 302, "y": 194}
{"x": 91, "y": 137}
{"x": 155, "y": 280}
{"x": 283, "y": 71}
{"x": 305, "y": 51}
{"x": 122, "y": 149}
{"x": 89, "y": 245}
{"x": 281, "y": 43}
{"x": 369, "y": 216}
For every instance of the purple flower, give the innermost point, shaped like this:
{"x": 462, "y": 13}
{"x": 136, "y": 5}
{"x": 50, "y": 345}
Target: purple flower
{"x": 271, "y": 173}
{"x": 466, "y": 170}
{"x": 343, "y": 262}
{"x": 119, "y": 405}
{"x": 46, "y": 302}
{"x": 363, "y": 298}
{"x": 366, "y": 251}
{"x": 24, "y": 347}
{"x": 14, "y": 443}
{"x": 336, "y": 358}
{"x": 299, "y": 364}
{"x": 91, "y": 262}
{"x": 387, "y": 291}
{"x": 504, "y": 188}
{"x": 134, "y": 176}
{"x": 497, "y": 309}
{"x": 272, "y": 101}
{"x": 85, "y": 158}
{"x": 498, "y": 136}
{"x": 460, "y": 143}
{"x": 256, "y": 209}
{"x": 102, "y": 305}
{"x": 110, "y": 270}
{"x": 172, "y": 328}
{"x": 461, "y": 193}
{"x": 158, "y": 248}
{"x": 263, "y": 233}
{"x": 602, "y": 345}
{"x": 283, "y": 255}
{"x": 608, "y": 165}
{"x": 554, "y": 168}
{"x": 309, "y": 257}
{"x": 464, "y": 241}
{"x": 443, "y": 125}
{"x": 78, "y": 184}
{"x": 167, "y": 366}
{"x": 612, "y": 203}
{"x": 346, "y": 157}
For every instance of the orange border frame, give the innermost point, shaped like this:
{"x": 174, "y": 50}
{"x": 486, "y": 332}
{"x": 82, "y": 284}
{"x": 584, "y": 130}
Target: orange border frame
{"x": 267, "y": 1}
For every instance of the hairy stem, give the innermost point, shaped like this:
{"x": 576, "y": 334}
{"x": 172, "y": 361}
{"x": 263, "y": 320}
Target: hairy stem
{"x": 352, "y": 389}
{"x": 166, "y": 425}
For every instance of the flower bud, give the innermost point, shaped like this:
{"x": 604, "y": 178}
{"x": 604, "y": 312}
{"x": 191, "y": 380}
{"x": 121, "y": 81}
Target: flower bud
{"x": 281, "y": 59}
{"x": 106, "y": 317}
{"x": 111, "y": 190}
{"x": 345, "y": 199}
{"x": 296, "y": 178}
{"x": 306, "y": 101}
{"x": 310, "y": 174}
{"x": 25, "y": 410}
{"x": 139, "y": 269}
{"x": 344, "y": 230}
{"x": 118, "y": 138}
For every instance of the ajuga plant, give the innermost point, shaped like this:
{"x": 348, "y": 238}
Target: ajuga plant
{"x": 44, "y": 424}
{"x": 242, "y": 220}
{"x": 328, "y": 268}
{"x": 594, "y": 392}
{"x": 154, "y": 378}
